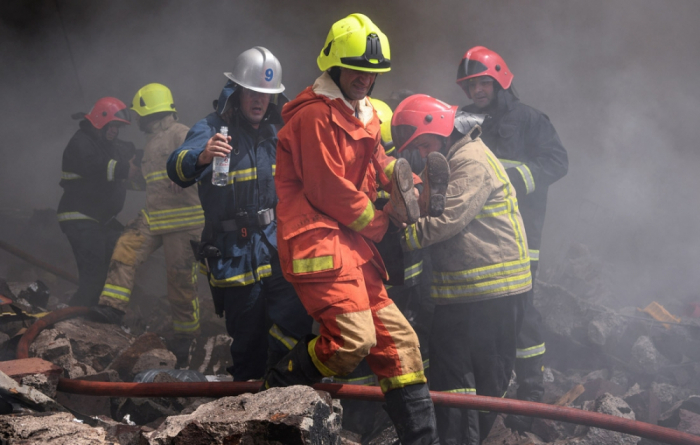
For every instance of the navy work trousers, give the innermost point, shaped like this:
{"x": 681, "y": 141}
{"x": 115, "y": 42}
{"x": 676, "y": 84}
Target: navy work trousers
{"x": 265, "y": 319}
{"x": 472, "y": 351}
{"x": 92, "y": 244}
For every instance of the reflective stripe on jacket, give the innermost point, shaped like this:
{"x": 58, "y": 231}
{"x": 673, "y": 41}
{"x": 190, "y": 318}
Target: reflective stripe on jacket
{"x": 527, "y": 144}
{"x": 326, "y": 181}
{"x": 93, "y": 176}
{"x": 245, "y": 259}
{"x": 167, "y": 211}
{"x": 478, "y": 246}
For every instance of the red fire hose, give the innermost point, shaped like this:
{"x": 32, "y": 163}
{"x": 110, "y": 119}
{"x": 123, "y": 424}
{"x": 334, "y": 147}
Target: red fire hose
{"x": 46, "y": 321}
{"x": 368, "y": 393}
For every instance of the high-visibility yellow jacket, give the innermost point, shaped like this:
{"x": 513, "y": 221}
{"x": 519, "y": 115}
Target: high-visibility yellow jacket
{"x": 166, "y": 210}
{"x": 478, "y": 245}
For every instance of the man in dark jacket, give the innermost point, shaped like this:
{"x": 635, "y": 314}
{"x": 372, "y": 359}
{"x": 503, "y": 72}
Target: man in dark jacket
{"x": 528, "y": 146}
{"x": 239, "y": 242}
{"x": 95, "y": 169}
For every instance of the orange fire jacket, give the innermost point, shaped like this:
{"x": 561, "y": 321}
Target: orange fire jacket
{"x": 326, "y": 184}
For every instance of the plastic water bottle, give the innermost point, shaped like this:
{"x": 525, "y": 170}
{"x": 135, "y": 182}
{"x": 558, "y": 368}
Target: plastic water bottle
{"x": 221, "y": 165}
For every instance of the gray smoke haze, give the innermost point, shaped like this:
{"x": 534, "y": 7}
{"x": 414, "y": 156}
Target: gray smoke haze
{"x": 617, "y": 79}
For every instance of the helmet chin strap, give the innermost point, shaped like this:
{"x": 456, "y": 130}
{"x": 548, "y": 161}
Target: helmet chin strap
{"x": 445, "y": 145}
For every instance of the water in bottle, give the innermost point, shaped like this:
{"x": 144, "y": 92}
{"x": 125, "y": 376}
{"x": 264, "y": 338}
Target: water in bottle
{"x": 220, "y": 165}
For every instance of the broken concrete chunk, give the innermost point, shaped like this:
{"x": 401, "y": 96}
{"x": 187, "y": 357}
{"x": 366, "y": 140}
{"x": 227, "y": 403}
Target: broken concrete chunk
{"x": 646, "y": 358}
{"x": 668, "y": 395}
{"x": 211, "y": 355}
{"x": 672, "y": 419}
{"x": 615, "y": 406}
{"x": 689, "y": 422}
{"x": 26, "y": 395}
{"x": 50, "y": 344}
{"x": 41, "y": 383}
{"x": 293, "y": 415}
{"x": 120, "y": 433}
{"x": 349, "y": 438}
{"x": 126, "y": 363}
{"x": 59, "y": 428}
{"x": 94, "y": 344}
{"x": 53, "y": 346}
{"x": 604, "y": 326}
{"x": 562, "y": 313}
{"x": 35, "y": 372}
{"x": 154, "y": 359}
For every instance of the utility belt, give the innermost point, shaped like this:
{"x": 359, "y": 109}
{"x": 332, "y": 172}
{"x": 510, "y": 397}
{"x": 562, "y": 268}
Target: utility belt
{"x": 242, "y": 223}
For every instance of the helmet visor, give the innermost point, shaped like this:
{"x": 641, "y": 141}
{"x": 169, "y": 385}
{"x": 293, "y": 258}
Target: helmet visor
{"x": 470, "y": 68}
{"x": 123, "y": 114}
{"x": 401, "y": 134}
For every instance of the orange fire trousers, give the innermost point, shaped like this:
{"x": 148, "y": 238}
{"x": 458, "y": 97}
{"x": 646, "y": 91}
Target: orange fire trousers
{"x": 357, "y": 320}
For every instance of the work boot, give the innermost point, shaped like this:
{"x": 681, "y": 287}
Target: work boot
{"x": 106, "y": 314}
{"x": 403, "y": 201}
{"x": 296, "y": 368}
{"x": 180, "y": 345}
{"x": 413, "y": 414}
{"x": 435, "y": 178}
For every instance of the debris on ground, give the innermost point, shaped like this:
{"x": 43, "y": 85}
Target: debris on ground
{"x": 638, "y": 362}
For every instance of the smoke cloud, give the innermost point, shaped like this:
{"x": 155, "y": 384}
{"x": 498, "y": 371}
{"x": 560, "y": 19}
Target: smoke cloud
{"x": 615, "y": 77}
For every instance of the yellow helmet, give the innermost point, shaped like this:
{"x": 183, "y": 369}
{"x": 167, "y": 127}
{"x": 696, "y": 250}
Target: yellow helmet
{"x": 356, "y": 43}
{"x": 384, "y": 112}
{"x": 153, "y": 98}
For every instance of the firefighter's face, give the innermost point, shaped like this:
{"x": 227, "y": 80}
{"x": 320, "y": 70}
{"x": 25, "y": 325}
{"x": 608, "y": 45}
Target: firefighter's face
{"x": 112, "y": 131}
{"x": 480, "y": 90}
{"x": 254, "y": 106}
{"x": 427, "y": 143}
{"x": 356, "y": 84}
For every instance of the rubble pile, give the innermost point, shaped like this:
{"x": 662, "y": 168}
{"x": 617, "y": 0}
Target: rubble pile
{"x": 638, "y": 363}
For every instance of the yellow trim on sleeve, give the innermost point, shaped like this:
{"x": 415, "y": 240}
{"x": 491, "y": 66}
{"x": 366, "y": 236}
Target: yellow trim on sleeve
{"x": 364, "y": 219}
{"x": 178, "y": 167}
{"x": 389, "y": 169}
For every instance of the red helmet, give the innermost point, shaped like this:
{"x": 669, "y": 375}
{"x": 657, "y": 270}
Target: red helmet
{"x": 421, "y": 114}
{"x": 106, "y": 110}
{"x": 481, "y": 61}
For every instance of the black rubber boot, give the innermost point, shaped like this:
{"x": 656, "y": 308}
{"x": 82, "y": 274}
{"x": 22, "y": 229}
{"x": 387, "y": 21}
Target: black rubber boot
{"x": 106, "y": 314}
{"x": 413, "y": 414}
{"x": 296, "y": 368}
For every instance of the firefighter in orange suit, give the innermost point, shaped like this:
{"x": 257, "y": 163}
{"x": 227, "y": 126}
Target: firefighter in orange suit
{"x": 328, "y": 157}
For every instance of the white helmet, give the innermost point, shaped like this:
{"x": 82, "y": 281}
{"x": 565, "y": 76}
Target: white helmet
{"x": 258, "y": 70}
